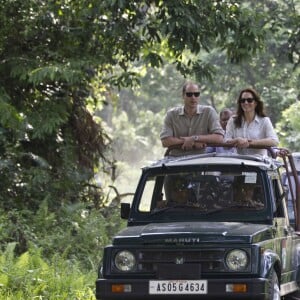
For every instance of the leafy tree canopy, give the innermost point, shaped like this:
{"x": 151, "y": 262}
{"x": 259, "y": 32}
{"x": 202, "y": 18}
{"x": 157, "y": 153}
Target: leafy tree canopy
{"x": 51, "y": 53}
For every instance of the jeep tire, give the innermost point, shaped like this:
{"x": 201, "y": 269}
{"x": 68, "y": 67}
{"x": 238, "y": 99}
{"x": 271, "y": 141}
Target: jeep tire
{"x": 274, "y": 290}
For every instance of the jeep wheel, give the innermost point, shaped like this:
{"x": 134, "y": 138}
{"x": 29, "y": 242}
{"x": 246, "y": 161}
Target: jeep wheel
{"x": 274, "y": 291}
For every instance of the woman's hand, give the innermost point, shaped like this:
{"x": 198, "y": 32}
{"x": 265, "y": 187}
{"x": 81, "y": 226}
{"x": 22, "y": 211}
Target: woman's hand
{"x": 239, "y": 142}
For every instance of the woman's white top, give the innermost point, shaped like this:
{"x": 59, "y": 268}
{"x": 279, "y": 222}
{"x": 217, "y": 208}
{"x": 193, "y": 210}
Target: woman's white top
{"x": 259, "y": 128}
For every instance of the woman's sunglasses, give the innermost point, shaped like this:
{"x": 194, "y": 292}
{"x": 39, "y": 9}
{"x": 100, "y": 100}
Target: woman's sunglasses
{"x": 249, "y": 100}
{"x": 190, "y": 94}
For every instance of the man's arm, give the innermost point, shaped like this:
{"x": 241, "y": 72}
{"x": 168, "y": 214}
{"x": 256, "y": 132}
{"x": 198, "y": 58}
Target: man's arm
{"x": 171, "y": 141}
{"x": 190, "y": 141}
{"x": 200, "y": 141}
{"x": 213, "y": 138}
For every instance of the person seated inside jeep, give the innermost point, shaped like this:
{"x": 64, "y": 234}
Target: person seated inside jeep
{"x": 249, "y": 195}
{"x": 178, "y": 196}
{"x": 177, "y": 192}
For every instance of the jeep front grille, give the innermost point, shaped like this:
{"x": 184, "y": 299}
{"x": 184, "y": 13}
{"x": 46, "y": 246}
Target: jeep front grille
{"x": 167, "y": 263}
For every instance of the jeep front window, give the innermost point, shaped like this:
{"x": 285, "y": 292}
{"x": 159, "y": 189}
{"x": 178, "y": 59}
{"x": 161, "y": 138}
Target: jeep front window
{"x": 203, "y": 190}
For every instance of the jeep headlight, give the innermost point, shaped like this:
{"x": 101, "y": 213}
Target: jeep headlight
{"x": 237, "y": 260}
{"x": 125, "y": 261}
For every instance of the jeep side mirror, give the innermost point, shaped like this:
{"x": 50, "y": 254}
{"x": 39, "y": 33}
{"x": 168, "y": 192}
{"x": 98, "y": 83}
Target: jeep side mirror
{"x": 125, "y": 210}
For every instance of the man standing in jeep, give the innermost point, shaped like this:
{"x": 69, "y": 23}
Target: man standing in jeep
{"x": 191, "y": 126}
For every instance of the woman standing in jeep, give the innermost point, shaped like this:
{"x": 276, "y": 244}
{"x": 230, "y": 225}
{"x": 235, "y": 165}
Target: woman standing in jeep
{"x": 250, "y": 126}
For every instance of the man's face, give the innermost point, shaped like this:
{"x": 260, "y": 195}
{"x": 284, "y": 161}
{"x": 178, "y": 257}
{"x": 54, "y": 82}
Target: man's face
{"x": 191, "y": 96}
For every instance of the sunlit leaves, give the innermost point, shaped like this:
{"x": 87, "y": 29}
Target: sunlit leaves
{"x": 59, "y": 72}
{"x": 288, "y": 129}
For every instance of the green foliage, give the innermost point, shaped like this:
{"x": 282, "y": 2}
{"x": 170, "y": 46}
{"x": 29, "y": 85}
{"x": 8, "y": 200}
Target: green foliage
{"x": 55, "y": 112}
{"x": 62, "y": 253}
{"x": 269, "y": 71}
{"x": 288, "y": 128}
{"x": 142, "y": 135}
{"x": 76, "y": 233}
{"x": 10, "y": 118}
{"x": 29, "y": 276}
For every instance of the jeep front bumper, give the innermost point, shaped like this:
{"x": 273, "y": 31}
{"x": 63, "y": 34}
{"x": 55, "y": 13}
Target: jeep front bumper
{"x": 246, "y": 288}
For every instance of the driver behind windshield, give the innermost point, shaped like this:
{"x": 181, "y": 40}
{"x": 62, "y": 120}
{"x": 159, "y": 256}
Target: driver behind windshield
{"x": 177, "y": 192}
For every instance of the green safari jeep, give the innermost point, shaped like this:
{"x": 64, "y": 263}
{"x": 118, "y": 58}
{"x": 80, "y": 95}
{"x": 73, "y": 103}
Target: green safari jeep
{"x": 207, "y": 226}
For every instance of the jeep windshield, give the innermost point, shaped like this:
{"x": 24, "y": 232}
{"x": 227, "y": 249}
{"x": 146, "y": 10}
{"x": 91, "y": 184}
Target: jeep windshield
{"x": 229, "y": 193}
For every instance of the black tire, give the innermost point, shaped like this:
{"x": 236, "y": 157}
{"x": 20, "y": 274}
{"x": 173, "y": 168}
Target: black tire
{"x": 274, "y": 289}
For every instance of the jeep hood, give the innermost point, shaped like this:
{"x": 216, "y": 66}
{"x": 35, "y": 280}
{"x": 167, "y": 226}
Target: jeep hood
{"x": 194, "y": 233}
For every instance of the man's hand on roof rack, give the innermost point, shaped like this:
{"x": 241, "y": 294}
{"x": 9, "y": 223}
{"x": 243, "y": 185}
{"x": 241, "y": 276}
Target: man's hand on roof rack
{"x": 189, "y": 143}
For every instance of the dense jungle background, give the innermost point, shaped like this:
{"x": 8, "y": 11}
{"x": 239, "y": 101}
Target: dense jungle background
{"x": 84, "y": 86}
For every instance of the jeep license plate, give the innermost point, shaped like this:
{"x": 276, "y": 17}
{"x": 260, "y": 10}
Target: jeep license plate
{"x": 177, "y": 287}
